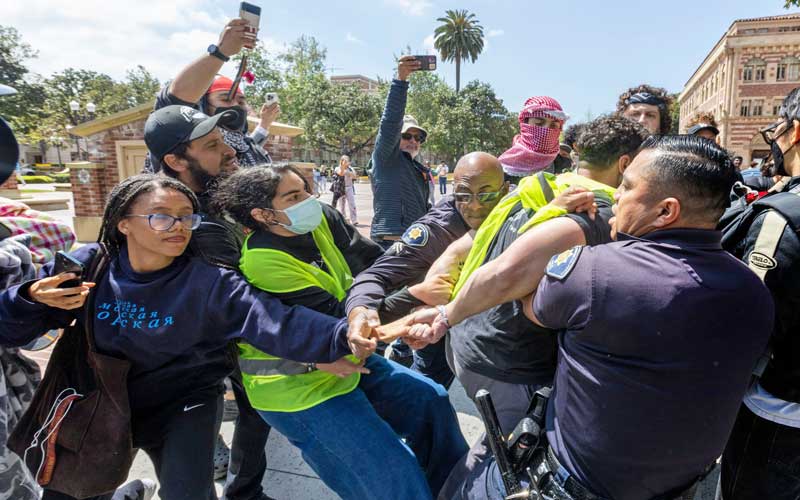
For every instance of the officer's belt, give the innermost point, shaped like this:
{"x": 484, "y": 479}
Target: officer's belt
{"x": 267, "y": 367}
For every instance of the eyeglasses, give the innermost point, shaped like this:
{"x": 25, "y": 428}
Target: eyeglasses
{"x": 419, "y": 138}
{"x": 483, "y": 198}
{"x": 768, "y": 133}
{"x": 164, "y": 222}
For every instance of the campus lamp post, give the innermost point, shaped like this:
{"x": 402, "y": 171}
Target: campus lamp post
{"x": 79, "y": 117}
{"x": 56, "y": 141}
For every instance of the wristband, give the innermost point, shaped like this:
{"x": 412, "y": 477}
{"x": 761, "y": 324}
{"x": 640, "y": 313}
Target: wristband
{"x": 260, "y": 130}
{"x": 310, "y": 367}
{"x": 443, "y": 313}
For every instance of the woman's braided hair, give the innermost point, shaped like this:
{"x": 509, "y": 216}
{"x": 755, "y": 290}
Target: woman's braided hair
{"x": 122, "y": 197}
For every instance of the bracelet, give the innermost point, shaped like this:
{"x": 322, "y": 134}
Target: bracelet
{"x": 310, "y": 367}
{"x": 443, "y": 313}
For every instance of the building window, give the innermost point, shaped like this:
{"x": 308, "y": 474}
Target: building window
{"x": 775, "y": 109}
{"x": 758, "y": 106}
{"x": 755, "y": 67}
{"x": 744, "y": 110}
{"x": 784, "y": 29}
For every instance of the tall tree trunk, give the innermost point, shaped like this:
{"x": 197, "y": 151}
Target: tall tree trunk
{"x": 458, "y": 73}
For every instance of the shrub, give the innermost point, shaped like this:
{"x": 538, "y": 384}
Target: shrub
{"x": 36, "y": 179}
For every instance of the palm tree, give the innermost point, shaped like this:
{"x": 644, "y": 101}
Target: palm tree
{"x": 458, "y": 38}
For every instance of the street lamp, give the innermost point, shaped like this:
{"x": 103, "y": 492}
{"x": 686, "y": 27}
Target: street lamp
{"x": 78, "y": 117}
{"x": 56, "y": 141}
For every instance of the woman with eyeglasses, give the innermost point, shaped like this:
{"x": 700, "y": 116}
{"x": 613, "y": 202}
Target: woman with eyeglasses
{"x": 171, "y": 315}
{"x": 345, "y": 414}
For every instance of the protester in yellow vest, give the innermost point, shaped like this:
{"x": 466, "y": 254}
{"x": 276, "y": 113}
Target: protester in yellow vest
{"x": 347, "y": 418}
{"x": 491, "y": 345}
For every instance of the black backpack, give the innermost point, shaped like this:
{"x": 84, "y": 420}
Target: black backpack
{"x": 736, "y": 221}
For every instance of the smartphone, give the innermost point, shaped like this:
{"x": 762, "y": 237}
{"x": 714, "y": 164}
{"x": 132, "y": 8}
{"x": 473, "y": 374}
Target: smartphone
{"x": 428, "y": 62}
{"x": 252, "y": 14}
{"x": 67, "y": 264}
{"x": 271, "y": 98}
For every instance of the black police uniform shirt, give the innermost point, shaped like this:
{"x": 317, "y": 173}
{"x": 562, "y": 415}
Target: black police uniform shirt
{"x": 407, "y": 262}
{"x": 501, "y": 343}
{"x": 782, "y": 376}
{"x": 659, "y": 337}
{"x": 358, "y": 251}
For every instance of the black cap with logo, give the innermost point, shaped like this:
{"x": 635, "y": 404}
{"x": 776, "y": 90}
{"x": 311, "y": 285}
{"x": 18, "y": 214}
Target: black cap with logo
{"x": 170, "y": 126}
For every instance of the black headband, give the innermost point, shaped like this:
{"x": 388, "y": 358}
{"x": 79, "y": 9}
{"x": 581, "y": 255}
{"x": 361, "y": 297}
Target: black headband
{"x": 645, "y": 98}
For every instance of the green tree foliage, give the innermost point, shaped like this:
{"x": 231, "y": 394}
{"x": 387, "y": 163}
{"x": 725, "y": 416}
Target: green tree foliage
{"x": 791, "y": 3}
{"x": 458, "y": 38}
{"x": 24, "y": 109}
{"x": 141, "y": 85}
{"x": 268, "y": 73}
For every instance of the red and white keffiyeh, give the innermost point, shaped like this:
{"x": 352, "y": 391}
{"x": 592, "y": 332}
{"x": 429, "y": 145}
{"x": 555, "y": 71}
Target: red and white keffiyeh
{"x": 534, "y": 148}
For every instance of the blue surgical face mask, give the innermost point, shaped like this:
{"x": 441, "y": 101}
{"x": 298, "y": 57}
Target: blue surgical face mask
{"x": 304, "y": 217}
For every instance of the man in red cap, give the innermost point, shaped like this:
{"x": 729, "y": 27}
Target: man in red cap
{"x": 198, "y": 85}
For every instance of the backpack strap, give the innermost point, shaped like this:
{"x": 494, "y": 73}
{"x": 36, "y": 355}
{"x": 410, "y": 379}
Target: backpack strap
{"x": 96, "y": 269}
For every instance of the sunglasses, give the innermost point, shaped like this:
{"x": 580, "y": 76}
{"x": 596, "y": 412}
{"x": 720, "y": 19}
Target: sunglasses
{"x": 483, "y": 198}
{"x": 164, "y": 222}
{"x": 768, "y": 133}
{"x": 419, "y": 138}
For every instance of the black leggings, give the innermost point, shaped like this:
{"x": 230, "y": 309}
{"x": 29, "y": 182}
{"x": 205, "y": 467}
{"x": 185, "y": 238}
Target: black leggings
{"x": 182, "y": 453}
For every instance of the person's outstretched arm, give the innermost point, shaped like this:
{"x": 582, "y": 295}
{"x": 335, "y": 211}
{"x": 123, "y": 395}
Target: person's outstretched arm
{"x": 388, "y": 138}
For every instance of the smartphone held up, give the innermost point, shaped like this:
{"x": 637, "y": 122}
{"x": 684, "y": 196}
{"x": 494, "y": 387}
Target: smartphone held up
{"x": 427, "y": 62}
{"x": 252, "y": 14}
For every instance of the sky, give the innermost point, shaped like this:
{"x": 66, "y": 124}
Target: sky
{"x": 583, "y": 53}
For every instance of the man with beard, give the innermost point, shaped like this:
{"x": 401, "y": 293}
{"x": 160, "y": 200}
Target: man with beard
{"x": 198, "y": 86}
{"x": 195, "y": 155}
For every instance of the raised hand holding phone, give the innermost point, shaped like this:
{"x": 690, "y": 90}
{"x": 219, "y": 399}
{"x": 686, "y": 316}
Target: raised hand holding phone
{"x": 252, "y": 14}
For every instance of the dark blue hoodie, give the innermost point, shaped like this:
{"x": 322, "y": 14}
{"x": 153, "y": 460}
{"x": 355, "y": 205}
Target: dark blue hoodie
{"x": 174, "y": 325}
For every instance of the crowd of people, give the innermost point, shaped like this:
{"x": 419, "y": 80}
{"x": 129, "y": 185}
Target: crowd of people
{"x": 628, "y": 299}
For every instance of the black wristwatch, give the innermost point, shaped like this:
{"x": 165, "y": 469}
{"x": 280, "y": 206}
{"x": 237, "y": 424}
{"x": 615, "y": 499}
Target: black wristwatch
{"x": 214, "y": 51}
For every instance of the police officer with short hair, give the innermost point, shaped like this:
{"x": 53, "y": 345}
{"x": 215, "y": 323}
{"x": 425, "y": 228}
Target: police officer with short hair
{"x": 478, "y": 186}
{"x": 659, "y": 332}
{"x": 762, "y": 458}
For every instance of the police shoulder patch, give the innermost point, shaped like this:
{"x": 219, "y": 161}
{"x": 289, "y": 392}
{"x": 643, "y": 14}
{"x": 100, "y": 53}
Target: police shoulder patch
{"x": 561, "y": 265}
{"x": 416, "y": 235}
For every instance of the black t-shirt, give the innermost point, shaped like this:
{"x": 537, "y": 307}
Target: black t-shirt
{"x": 501, "y": 343}
{"x": 358, "y": 251}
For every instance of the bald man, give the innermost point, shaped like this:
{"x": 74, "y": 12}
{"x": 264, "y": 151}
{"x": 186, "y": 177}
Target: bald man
{"x": 478, "y": 187}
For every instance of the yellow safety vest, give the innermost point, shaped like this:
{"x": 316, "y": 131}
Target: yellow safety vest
{"x": 535, "y": 193}
{"x": 274, "y": 384}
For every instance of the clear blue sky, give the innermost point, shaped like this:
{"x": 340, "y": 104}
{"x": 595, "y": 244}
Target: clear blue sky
{"x": 583, "y": 53}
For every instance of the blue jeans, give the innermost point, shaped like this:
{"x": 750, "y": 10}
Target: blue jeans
{"x": 353, "y": 441}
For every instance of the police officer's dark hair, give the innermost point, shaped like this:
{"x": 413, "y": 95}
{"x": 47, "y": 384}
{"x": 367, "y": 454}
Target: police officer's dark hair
{"x": 124, "y": 195}
{"x": 572, "y": 133}
{"x": 603, "y": 140}
{"x": 693, "y": 169}
{"x": 249, "y": 188}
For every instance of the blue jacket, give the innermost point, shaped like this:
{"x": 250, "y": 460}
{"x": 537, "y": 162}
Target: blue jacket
{"x": 399, "y": 182}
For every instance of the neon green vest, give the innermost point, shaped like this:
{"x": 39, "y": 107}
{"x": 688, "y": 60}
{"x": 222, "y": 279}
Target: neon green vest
{"x": 278, "y": 272}
{"x": 532, "y": 191}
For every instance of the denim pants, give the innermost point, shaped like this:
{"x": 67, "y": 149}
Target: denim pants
{"x": 353, "y": 441}
{"x": 761, "y": 460}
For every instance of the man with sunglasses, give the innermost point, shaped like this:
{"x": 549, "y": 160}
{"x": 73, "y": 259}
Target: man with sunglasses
{"x": 190, "y": 146}
{"x": 761, "y": 459}
{"x": 400, "y": 186}
{"x": 479, "y": 186}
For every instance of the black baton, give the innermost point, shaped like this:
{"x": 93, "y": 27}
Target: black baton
{"x": 497, "y": 442}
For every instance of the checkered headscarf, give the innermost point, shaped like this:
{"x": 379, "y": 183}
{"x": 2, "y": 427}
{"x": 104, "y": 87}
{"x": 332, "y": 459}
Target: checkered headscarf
{"x": 534, "y": 147}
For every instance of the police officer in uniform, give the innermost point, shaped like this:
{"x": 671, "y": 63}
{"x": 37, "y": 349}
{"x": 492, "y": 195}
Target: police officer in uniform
{"x": 479, "y": 185}
{"x": 659, "y": 333}
{"x": 762, "y": 458}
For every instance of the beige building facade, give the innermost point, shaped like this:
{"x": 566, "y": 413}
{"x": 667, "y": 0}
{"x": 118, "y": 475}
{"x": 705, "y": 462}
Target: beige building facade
{"x": 743, "y": 80}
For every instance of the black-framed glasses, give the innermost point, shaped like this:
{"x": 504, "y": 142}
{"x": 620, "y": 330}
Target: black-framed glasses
{"x": 768, "y": 133}
{"x": 483, "y": 198}
{"x": 419, "y": 138}
{"x": 164, "y": 222}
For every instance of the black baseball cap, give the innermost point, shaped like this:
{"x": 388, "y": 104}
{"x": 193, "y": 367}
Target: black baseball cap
{"x": 170, "y": 126}
{"x": 702, "y": 126}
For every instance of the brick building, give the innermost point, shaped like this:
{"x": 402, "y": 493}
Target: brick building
{"x": 365, "y": 83}
{"x": 743, "y": 80}
{"x": 117, "y": 151}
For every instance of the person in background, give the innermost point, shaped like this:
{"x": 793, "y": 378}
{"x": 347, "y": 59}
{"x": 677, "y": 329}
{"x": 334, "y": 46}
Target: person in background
{"x": 316, "y": 176}
{"x": 536, "y": 145}
{"x": 648, "y": 106}
{"x": 442, "y": 172}
{"x": 400, "y": 183}
{"x": 323, "y": 179}
{"x": 704, "y": 125}
{"x": 737, "y": 162}
{"x": 431, "y": 185}
{"x": 347, "y": 199}
{"x": 199, "y": 86}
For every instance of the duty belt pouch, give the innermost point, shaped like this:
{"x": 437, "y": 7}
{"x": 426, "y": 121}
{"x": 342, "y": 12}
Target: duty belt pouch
{"x": 76, "y": 435}
{"x": 529, "y": 434}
